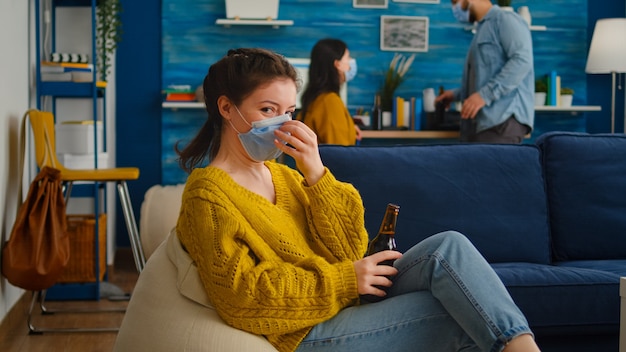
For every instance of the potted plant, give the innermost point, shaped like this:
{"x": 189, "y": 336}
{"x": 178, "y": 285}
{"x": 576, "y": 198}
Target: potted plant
{"x": 108, "y": 34}
{"x": 393, "y": 77}
{"x": 567, "y": 95}
{"x": 541, "y": 91}
{"x": 505, "y": 5}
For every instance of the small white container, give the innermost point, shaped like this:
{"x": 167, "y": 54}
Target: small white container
{"x": 365, "y": 119}
{"x": 540, "y": 98}
{"x": 428, "y": 96}
{"x": 566, "y": 100}
{"x": 524, "y": 12}
{"x": 252, "y": 9}
{"x": 77, "y": 137}
{"x": 83, "y": 161}
{"x": 386, "y": 118}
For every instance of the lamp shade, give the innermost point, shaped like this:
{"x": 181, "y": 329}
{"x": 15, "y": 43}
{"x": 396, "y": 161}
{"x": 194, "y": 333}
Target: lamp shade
{"x": 607, "y": 52}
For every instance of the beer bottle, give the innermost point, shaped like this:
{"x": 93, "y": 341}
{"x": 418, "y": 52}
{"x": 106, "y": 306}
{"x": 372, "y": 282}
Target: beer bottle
{"x": 377, "y": 114}
{"x": 384, "y": 240}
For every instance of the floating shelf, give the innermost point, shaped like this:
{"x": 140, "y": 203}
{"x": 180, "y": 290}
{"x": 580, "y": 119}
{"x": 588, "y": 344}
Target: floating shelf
{"x": 532, "y": 28}
{"x": 573, "y": 108}
{"x": 183, "y": 105}
{"x": 227, "y": 22}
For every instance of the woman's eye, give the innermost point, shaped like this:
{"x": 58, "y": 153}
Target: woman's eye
{"x": 267, "y": 110}
{"x": 289, "y": 113}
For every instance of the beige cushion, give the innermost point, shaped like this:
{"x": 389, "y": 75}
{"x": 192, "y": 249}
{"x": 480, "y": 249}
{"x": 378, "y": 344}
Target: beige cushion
{"x": 159, "y": 212}
{"x": 170, "y": 311}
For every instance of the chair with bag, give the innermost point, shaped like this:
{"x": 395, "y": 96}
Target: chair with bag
{"x": 42, "y": 124}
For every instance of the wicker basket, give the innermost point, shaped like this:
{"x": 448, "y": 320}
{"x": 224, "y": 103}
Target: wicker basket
{"x": 81, "y": 266}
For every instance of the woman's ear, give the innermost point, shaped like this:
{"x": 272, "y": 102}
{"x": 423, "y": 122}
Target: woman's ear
{"x": 225, "y": 106}
{"x": 337, "y": 64}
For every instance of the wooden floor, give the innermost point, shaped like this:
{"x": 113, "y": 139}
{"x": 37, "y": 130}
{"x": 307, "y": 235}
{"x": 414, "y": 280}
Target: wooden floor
{"x": 14, "y": 332}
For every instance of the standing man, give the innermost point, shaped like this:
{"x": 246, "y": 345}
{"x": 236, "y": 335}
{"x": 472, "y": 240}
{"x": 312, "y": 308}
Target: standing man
{"x": 498, "y": 77}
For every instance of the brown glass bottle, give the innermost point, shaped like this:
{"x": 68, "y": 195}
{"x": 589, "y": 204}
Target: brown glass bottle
{"x": 377, "y": 114}
{"x": 384, "y": 240}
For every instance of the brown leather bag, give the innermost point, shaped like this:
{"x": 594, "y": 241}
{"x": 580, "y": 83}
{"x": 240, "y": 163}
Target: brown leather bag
{"x": 39, "y": 248}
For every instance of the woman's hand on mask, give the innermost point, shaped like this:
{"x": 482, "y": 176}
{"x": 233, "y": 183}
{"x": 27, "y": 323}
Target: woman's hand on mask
{"x": 302, "y": 147}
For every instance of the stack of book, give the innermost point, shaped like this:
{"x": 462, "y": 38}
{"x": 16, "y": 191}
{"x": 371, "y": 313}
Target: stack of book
{"x": 66, "y": 72}
{"x": 179, "y": 93}
{"x": 407, "y": 113}
{"x": 553, "y": 81}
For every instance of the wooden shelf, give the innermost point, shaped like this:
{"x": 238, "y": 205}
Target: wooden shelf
{"x": 227, "y": 22}
{"x": 394, "y": 134}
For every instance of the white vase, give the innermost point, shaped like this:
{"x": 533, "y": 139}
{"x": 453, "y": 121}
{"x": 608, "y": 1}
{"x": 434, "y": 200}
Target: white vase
{"x": 428, "y": 99}
{"x": 566, "y": 100}
{"x": 540, "y": 98}
{"x": 386, "y": 118}
{"x": 524, "y": 12}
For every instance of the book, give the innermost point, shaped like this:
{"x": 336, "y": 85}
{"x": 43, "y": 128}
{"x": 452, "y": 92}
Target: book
{"x": 407, "y": 114}
{"x": 61, "y": 69}
{"x": 558, "y": 90}
{"x": 552, "y": 89}
{"x": 180, "y": 96}
{"x": 79, "y": 76}
{"x": 73, "y": 76}
{"x": 56, "y": 77}
{"x": 399, "y": 112}
{"x": 67, "y": 65}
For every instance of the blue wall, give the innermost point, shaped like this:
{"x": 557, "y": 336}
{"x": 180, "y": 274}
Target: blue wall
{"x": 192, "y": 41}
{"x": 175, "y": 41}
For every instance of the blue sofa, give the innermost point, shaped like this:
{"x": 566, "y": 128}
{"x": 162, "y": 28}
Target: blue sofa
{"x": 550, "y": 217}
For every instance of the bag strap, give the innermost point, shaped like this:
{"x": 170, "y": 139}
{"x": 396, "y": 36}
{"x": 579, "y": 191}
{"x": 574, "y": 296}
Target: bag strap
{"x": 22, "y": 151}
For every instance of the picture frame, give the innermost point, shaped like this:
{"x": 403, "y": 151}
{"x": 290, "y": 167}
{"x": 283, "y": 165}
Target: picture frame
{"x": 404, "y": 33}
{"x": 370, "y": 4}
{"x": 419, "y": 1}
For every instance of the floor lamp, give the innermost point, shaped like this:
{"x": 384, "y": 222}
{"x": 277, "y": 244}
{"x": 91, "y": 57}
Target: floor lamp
{"x": 607, "y": 54}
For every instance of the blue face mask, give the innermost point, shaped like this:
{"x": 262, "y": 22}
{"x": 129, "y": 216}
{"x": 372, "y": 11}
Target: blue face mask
{"x": 351, "y": 73}
{"x": 259, "y": 141}
{"x": 461, "y": 15}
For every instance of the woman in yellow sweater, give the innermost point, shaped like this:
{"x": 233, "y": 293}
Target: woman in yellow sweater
{"x": 281, "y": 252}
{"x": 322, "y": 108}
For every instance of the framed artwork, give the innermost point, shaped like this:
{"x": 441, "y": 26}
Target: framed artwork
{"x": 404, "y": 33}
{"x": 419, "y": 1}
{"x": 370, "y": 4}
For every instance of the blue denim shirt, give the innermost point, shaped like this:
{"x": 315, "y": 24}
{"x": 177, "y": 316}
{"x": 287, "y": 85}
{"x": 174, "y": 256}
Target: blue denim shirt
{"x": 499, "y": 65}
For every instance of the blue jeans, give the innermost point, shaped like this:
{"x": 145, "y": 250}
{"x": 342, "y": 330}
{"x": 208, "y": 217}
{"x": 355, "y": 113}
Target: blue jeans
{"x": 445, "y": 297}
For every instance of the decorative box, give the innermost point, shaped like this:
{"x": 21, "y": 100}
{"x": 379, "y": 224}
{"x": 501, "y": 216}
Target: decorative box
{"x": 247, "y": 9}
{"x": 77, "y": 137}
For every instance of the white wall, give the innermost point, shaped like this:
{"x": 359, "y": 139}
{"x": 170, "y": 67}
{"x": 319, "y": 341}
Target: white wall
{"x": 14, "y": 101}
{"x": 17, "y": 94}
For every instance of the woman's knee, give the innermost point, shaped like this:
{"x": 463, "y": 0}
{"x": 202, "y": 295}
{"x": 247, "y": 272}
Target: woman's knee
{"x": 452, "y": 237}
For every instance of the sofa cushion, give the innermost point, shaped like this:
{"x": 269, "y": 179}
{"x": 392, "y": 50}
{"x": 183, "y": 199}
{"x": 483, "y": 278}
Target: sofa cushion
{"x": 576, "y": 297}
{"x": 494, "y": 194}
{"x": 586, "y": 179}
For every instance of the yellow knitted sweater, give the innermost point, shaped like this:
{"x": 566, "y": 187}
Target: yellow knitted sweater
{"x": 329, "y": 118}
{"x": 274, "y": 269}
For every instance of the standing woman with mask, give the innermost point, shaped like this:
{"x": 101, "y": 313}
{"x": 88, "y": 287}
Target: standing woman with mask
{"x": 322, "y": 108}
